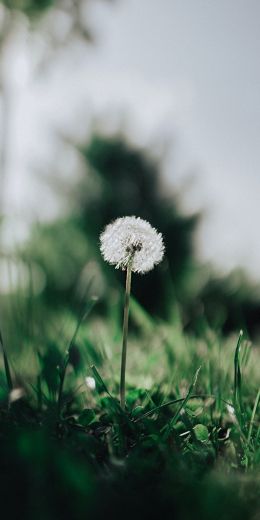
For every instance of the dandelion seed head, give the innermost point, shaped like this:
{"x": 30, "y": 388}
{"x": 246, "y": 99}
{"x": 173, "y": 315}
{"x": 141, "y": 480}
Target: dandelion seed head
{"x": 90, "y": 382}
{"x": 132, "y": 239}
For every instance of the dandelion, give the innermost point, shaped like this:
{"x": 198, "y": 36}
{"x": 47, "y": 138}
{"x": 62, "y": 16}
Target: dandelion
{"x": 133, "y": 245}
{"x": 132, "y": 239}
{"x": 90, "y": 382}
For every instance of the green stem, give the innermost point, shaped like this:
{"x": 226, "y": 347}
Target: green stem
{"x": 125, "y": 333}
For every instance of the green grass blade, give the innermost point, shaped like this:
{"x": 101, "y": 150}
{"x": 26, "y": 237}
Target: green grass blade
{"x": 184, "y": 402}
{"x": 237, "y": 376}
{"x": 63, "y": 369}
{"x": 6, "y": 365}
{"x": 121, "y": 414}
{"x": 250, "y": 430}
{"x": 165, "y": 405}
{"x": 167, "y": 429}
{"x": 99, "y": 381}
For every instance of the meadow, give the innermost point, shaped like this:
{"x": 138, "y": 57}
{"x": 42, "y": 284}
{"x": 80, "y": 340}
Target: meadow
{"x": 147, "y": 406}
{"x": 186, "y": 446}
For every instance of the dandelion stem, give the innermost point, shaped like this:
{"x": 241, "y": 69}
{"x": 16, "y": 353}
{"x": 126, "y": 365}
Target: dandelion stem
{"x": 125, "y": 333}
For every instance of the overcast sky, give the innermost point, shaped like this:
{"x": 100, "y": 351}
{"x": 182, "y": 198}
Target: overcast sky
{"x": 177, "y": 70}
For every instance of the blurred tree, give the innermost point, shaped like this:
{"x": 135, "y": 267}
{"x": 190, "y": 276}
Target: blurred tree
{"x": 126, "y": 181}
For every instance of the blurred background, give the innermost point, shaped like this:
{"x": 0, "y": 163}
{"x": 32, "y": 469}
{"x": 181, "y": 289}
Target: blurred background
{"x": 116, "y": 107}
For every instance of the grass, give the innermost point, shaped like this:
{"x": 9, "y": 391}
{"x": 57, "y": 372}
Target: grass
{"x": 186, "y": 446}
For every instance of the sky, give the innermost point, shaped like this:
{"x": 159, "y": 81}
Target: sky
{"x": 179, "y": 72}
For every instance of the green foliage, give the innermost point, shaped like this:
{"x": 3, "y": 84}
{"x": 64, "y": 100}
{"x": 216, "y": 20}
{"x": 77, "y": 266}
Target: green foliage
{"x": 201, "y": 432}
{"x": 188, "y": 442}
{"x": 86, "y": 417}
{"x": 60, "y": 251}
{"x": 228, "y": 303}
{"x": 29, "y": 7}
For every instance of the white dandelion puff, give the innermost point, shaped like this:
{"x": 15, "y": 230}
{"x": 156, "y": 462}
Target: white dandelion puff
{"x": 132, "y": 239}
{"x": 131, "y": 244}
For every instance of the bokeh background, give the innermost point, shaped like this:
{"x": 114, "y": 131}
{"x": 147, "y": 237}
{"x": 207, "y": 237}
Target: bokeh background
{"x": 136, "y": 107}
